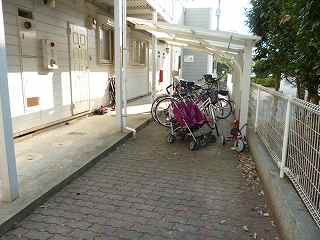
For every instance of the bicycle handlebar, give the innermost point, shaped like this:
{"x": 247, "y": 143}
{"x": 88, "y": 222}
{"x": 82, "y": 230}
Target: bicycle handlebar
{"x": 167, "y": 88}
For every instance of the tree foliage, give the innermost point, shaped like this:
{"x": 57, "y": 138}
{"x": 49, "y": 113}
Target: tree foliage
{"x": 290, "y": 44}
{"x": 261, "y": 68}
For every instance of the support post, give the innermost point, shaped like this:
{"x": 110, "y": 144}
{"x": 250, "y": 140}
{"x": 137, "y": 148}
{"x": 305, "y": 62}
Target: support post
{"x": 210, "y": 64}
{"x": 8, "y": 169}
{"x": 120, "y": 61}
{"x": 215, "y": 66}
{"x": 234, "y": 79}
{"x": 218, "y": 13}
{"x": 154, "y": 55}
{"x": 256, "y": 121}
{"x": 245, "y": 84}
{"x": 236, "y": 89}
{"x": 124, "y": 62}
{"x": 171, "y": 66}
{"x": 285, "y": 139}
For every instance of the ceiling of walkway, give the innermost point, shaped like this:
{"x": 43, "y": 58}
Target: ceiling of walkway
{"x": 225, "y": 44}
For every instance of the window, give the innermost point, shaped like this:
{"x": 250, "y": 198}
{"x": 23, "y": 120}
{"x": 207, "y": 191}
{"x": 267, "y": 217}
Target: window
{"x": 138, "y": 52}
{"x": 105, "y": 44}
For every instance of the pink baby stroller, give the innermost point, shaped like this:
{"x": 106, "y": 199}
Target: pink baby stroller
{"x": 187, "y": 119}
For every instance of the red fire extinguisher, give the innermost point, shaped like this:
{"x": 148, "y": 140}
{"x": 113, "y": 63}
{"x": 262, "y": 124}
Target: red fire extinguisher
{"x": 161, "y": 61}
{"x": 161, "y": 75}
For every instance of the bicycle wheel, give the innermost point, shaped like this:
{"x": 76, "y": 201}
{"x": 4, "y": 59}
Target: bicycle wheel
{"x": 154, "y": 104}
{"x": 239, "y": 145}
{"x": 161, "y": 111}
{"x": 223, "y": 108}
{"x": 210, "y": 116}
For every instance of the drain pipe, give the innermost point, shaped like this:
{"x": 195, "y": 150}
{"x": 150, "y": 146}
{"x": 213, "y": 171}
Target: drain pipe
{"x": 134, "y": 132}
{"x": 123, "y": 69}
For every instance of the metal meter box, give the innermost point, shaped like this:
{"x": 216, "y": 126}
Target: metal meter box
{"x": 49, "y": 54}
{"x": 28, "y": 37}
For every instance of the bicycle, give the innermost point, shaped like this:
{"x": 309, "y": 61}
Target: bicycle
{"x": 159, "y": 110}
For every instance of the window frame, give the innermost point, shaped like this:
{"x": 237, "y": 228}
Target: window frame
{"x": 109, "y": 32}
{"x": 138, "y": 47}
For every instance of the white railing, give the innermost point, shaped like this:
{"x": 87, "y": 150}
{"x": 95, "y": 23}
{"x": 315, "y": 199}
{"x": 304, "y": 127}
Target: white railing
{"x": 170, "y": 10}
{"x": 290, "y": 130}
{"x": 167, "y": 7}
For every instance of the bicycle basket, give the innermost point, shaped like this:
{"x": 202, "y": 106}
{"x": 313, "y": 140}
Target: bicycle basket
{"x": 212, "y": 94}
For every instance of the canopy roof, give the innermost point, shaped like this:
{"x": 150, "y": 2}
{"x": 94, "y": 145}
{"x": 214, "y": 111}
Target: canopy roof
{"x": 224, "y": 44}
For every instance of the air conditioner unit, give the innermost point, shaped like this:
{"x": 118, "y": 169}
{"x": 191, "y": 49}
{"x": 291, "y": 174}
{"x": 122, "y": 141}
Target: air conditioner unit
{"x": 49, "y": 54}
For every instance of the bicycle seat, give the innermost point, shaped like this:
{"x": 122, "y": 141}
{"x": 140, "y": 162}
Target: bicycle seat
{"x": 208, "y": 77}
{"x": 187, "y": 84}
{"x": 224, "y": 92}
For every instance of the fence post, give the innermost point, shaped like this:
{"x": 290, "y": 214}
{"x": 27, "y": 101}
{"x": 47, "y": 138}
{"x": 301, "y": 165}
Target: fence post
{"x": 257, "y": 111}
{"x": 285, "y": 138}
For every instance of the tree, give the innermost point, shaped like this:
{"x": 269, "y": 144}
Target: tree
{"x": 290, "y": 43}
{"x": 307, "y": 49}
{"x": 264, "y": 20}
{"x": 262, "y": 68}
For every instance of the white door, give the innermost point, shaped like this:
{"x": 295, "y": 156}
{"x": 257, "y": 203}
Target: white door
{"x": 79, "y": 69}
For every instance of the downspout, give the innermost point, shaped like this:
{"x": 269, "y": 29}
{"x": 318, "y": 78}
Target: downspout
{"x": 124, "y": 59}
{"x": 124, "y": 69}
{"x": 134, "y": 132}
{"x": 118, "y": 60}
{"x": 154, "y": 56}
{"x": 215, "y": 63}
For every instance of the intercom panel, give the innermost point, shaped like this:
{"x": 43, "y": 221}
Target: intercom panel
{"x": 49, "y": 54}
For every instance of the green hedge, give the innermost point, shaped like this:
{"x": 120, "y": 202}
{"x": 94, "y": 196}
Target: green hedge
{"x": 266, "y": 82}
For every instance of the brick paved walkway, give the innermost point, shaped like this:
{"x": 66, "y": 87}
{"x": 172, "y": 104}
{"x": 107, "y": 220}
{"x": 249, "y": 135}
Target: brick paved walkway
{"x": 148, "y": 189}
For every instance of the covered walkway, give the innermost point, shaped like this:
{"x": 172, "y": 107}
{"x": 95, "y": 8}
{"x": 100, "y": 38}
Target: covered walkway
{"x": 46, "y": 160}
{"x": 236, "y": 48}
{"x": 148, "y": 189}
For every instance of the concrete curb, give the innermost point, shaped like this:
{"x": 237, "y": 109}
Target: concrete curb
{"x": 292, "y": 217}
{"x": 17, "y": 217}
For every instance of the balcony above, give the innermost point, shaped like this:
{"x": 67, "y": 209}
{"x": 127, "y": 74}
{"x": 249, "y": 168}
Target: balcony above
{"x": 143, "y": 8}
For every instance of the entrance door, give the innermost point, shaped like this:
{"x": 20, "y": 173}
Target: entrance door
{"x": 79, "y": 69}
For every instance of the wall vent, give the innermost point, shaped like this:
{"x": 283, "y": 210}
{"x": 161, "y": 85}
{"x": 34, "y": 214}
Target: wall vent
{"x": 25, "y": 13}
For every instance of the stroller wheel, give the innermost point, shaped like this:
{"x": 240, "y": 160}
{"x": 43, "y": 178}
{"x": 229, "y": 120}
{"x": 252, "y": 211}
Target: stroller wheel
{"x": 171, "y": 139}
{"x": 203, "y": 141}
{"x": 181, "y": 135}
{"x": 213, "y": 138}
{"x": 193, "y": 145}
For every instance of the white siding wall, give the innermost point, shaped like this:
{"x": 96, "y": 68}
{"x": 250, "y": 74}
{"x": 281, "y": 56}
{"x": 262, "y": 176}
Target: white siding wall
{"x": 163, "y": 63}
{"x": 137, "y": 76}
{"x": 197, "y": 17}
{"x": 53, "y": 87}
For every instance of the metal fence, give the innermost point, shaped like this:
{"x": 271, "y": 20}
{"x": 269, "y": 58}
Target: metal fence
{"x": 290, "y": 130}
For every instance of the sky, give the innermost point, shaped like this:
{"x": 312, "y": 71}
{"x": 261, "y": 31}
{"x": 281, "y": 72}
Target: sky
{"x": 232, "y": 13}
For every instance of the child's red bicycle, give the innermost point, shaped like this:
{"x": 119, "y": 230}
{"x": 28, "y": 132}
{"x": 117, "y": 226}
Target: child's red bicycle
{"x": 240, "y": 141}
